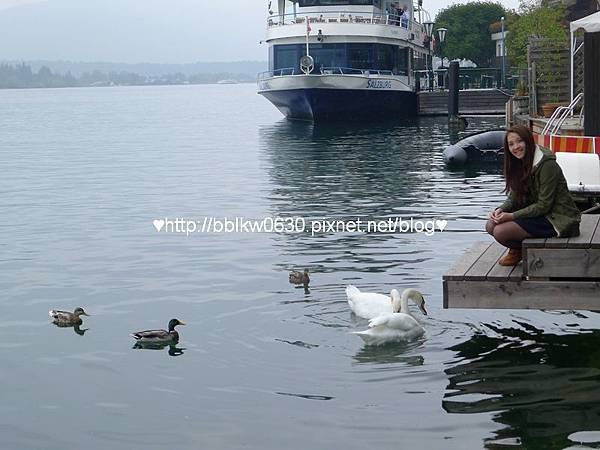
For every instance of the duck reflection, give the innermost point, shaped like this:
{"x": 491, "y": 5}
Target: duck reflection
{"x": 174, "y": 350}
{"x": 543, "y": 387}
{"x": 76, "y": 328}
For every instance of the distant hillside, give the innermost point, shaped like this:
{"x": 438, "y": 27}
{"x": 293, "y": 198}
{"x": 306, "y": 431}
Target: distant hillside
{"x": 41, "y": 74}
{"x": 238, "y": 69}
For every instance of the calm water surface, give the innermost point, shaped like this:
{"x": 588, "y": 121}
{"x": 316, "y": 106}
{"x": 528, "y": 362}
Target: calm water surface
{"x": 260, "y": 364}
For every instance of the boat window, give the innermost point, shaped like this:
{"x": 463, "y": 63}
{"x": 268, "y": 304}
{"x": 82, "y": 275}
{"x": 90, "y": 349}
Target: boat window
{"x": 287, "y": 56}
{"x": 360, "y": 56}
{"x": 401, "y": 61}
{"x": 385, "y": 57}
{"x": 342, "y": 55}
{"x": 328, "y": 55}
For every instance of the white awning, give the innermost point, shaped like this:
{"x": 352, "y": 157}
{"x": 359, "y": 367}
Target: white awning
{"x": 590, "y": 24}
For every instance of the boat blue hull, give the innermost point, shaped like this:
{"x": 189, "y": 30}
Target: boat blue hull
{"x": 343, "y": 104}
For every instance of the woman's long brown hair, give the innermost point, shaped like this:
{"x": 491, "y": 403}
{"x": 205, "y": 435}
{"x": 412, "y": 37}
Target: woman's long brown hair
{"x": 517, "y": 171}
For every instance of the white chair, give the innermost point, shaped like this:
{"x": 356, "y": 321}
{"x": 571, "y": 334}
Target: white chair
{"x": 581, "y": 170}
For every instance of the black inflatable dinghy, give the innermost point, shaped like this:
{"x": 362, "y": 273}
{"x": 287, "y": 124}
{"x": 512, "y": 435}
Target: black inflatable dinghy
{"x": 487, "y": 146}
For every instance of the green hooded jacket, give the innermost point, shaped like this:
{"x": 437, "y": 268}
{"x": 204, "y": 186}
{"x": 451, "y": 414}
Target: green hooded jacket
{"x": 548, "y": 197}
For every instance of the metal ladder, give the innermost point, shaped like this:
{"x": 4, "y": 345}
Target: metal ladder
{"x": 560, "y": 115}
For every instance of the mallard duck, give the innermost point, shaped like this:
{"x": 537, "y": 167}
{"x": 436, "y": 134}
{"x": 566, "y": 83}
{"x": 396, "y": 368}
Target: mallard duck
{"x": 66, "y": 318}
{"x": 391, "y": 327}
{"x": 299, "y": 277}
{"x": 369, "y": 305}
{"x": 158, "y": 336}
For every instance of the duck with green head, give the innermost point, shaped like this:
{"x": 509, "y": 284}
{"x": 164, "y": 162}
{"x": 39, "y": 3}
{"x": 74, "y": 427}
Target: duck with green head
{"x": 159, "y": 336}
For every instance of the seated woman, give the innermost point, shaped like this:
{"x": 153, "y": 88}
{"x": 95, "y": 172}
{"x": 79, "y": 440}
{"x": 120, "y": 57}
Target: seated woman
{"x": 538, "y": 205}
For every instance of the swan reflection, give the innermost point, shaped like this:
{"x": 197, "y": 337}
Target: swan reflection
{"x": 392, "y": 353}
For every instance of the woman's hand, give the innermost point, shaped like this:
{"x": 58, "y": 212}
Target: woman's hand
{"x": 494, "y": 215}
{"x": 503, "y": 217}
{"x": 498, "y": 216}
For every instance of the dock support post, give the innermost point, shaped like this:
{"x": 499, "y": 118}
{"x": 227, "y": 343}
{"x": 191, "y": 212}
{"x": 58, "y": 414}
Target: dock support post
{"x": 453, "y": 79}
{"x": 591, "y": 84}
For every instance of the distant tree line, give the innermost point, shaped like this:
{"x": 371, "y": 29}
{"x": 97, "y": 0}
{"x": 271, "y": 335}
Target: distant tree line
{"x": 15, "y": 76}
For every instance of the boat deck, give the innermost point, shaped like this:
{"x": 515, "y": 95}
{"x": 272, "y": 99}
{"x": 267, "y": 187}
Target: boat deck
{"x": 556, "y": 273}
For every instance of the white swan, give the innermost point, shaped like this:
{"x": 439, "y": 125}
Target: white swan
{"x": 369, "y": 305}
{"x": 391, "y": 327}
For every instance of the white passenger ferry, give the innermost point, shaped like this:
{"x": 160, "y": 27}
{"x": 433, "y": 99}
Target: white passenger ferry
{"x": 344, "y": 59}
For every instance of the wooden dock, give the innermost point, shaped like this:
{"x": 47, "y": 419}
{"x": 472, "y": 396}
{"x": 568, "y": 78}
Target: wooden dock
{"x": 556, "y": 273}
{"x": 470, "y": 102}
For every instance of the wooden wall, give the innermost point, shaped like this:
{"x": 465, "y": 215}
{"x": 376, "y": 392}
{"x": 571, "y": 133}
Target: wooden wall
{"x": 551, "y": 80}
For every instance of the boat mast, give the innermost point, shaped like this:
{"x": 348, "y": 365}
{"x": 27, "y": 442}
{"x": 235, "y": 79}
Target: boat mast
{"x": 281, "y": 10}
{"x": 307, "y": 33}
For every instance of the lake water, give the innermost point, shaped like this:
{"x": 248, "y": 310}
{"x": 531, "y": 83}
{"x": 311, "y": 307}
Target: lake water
{"x": 261, "y": 364}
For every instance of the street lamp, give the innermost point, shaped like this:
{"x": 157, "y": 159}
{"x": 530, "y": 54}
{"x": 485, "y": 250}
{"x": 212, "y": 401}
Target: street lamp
{"x": 428, "y": 28}
{"x": 429, "y": 32}
{"x": 442, "y": 36}
{"x": 503, "y": 54}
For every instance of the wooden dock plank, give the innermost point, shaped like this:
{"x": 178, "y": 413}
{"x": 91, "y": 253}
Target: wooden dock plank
{"x": 488, "y": 260}
{"x": 516, "y": 274}
{"x": 588, "y": 226}
{"x": 504, "y": 273}
{"x": 556, "y": 242}
{"x": 556, "y": 295}
{"x": 458, "y": 270}
{"x": 534, "y": 243}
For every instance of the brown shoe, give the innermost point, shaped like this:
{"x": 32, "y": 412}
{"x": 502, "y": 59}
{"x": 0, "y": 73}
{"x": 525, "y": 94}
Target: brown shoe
{"x": 512, "y": 258}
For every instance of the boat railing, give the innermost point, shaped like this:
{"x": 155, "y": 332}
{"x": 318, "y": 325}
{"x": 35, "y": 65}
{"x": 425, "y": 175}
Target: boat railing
{"x": 469, "y": 78}
{"x": 329, "y": 71}
{"x": 277, "y": 73}
{"x": 345, "y": 17}
{"x": 351, "y": 71}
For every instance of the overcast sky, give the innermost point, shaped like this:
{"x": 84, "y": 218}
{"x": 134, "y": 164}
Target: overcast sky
{"x": 131, "y": 31}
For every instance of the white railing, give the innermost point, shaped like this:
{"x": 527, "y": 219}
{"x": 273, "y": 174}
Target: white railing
{"x": 346, "y": 17}
{"x": 560, "y": 114}
{"x": 277, "y": 73}
{"x": 351, "y": 71}
{"x": 328, "y": 71}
